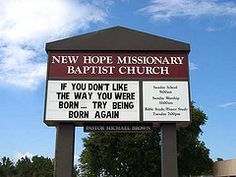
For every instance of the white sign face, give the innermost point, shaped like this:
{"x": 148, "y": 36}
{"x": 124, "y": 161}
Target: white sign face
{"x": 166, "y": 101}
{"x": 92, "y": 101}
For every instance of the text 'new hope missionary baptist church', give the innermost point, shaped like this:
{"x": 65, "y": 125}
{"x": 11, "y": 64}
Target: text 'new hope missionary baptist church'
{"x": 123, "y": 64}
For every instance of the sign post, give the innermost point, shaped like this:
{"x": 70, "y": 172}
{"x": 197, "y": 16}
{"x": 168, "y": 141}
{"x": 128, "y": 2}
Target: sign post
{"x": 64, "y": 154}
{"x": 169, "y": 165}
{"x": 117, "y": 80}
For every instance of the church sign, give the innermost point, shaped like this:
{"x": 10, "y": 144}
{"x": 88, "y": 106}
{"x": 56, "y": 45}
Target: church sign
{"x": 117, "y": 86}
{"x": 78, "y": 89}
{"x": 117, "y": 80}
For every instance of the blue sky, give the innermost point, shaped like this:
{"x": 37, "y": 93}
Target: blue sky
{"x": 25, "y": 26}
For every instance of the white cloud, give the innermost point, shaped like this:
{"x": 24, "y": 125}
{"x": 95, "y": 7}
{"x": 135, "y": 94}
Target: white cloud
{"x": 166, "y": 10}
{"x": 22, "y": 155}
{"x": 212, "y": 29}
{"x": 25, "y": 27}
{"x": 193, "y": 66}
{"x": 76, "y": 159}
{"x": 227, "y": 105}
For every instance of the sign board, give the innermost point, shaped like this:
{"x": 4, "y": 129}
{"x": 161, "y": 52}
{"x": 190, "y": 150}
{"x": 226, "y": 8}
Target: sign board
{"x": 93, "y": 100}
{"x": 117, "y": 87}
{"x": 77, "y": 65}
{"x": 166, "y": 101}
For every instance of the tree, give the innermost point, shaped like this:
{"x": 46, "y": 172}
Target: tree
{"x": 121, "y": 155}
{"x": 193, "y": 156}
{"x": 35, "y": 167}
{"x": 7, "y": 168}
{"x": 42, "y": 167}
{"x": 24, "y": 167}
{"x": 38, "y": 166}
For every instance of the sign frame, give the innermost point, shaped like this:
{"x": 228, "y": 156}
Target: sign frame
{"x": 140, "y": 80}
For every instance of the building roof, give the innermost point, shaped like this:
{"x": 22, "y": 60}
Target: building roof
{"x": 225, "y": 168}
{"x": 117, "y": 38}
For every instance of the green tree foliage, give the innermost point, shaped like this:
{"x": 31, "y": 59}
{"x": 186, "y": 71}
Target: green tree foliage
{"x": 42, "y": 167}
{"x": 24, "y": 167}
{"x": 35, "y": 167}
{"x": 38, "y": 166}
{"x": 139, "y": 155}
{"x": 111, "y": 155}
{"x": 193, "y": 156}
{"x": 219, "y": 159}
{"x": 7, "y": 168}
